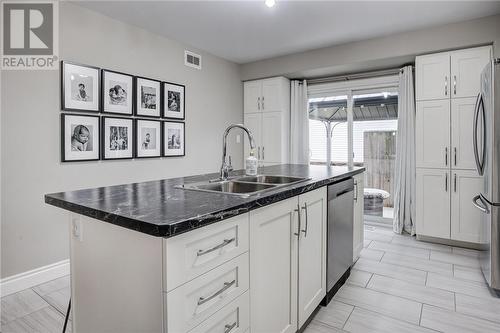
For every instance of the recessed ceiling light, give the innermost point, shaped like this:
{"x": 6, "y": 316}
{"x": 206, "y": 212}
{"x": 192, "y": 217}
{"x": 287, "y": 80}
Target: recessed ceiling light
{"x": 270, "y": 3}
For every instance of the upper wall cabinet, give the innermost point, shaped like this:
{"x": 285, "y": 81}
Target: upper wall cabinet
{"x": 252, "y": 96}
{"x": 466, "y": 67}
{"x": 433, "y": 76}
{"x": 450, "y": 74}
{"x": 268, "y": 95}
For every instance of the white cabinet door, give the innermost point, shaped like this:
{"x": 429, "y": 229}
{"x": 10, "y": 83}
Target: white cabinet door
{"x": 272, "y": 137}
{"x": 272, "y": 99}
{"x": 433, "y": 76}
{"x": 433, "y": 202}
{"x": 466, "y": 68}
{"x": 252, "y": 92}
{"x": 312, "y": 252}
{"x": 462, "y": 118}
{"x": 358, "y": 227}
{"x": 433, "y": 134}
{"x": 273, "y": 267}
{"x": 253, "y": 121}
{"x": 465, "y": 218}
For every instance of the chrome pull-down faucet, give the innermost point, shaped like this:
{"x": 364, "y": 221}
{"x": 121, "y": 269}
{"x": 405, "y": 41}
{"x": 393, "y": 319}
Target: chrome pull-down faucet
{"x": 225, "y": 167}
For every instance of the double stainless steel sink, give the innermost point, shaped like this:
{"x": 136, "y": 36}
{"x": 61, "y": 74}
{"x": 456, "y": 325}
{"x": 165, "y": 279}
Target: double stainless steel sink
{"x": 244, "y": 186}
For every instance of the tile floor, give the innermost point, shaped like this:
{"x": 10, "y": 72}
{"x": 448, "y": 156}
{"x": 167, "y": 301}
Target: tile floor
{"x": 402, "y": 285}
{"x": 39, "y": 309}
{"x": 398, "y": 285}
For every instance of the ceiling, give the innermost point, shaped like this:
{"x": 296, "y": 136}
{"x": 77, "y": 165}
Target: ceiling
{"x": 246, "y": 31}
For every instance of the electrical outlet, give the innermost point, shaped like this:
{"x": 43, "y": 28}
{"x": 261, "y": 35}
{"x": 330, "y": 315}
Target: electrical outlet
{"x": 76, "y": 226}
{"x": 238, "y": 138}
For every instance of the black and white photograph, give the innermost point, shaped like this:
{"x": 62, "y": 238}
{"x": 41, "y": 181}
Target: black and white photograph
{"x": 174, "y": 101}
{"x": 148, "y": 138}
{"x": 116, "y": 92}
{"x": 173, "y": 138}
{"x": 79, "y": 87}
{"x": 79, "y": 138}
{"x": 117, "y": 138}
{"x": 147, "y": 98}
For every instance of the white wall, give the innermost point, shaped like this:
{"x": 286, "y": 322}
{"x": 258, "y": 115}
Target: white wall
{"x": 34, "y": 234}
{"x": 377, "y": 53}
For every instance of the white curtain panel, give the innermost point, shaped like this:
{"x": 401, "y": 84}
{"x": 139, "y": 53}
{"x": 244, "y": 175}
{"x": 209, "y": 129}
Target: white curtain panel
{"x": 299, "y": 123}
{"x": 405, "y": 173}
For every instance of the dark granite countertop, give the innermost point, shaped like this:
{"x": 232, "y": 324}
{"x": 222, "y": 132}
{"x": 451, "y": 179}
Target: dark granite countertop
{"x": 160, "y": 209}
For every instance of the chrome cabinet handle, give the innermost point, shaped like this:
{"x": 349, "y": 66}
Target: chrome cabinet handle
{"x": 455, "y": 183}
{"x": 228, "y": 328}
{"x": 221, "y": 245}
{"x": 298, "y": 227}
{"x": 258, "y": 153}
{"x": 262, "y": 102}
{"x": 446, "y": 85}
{"x": 258, "y": 103}
{"x": 263, "y": 158}
{"x": 307, "y": 219}
{"x": 356, "y": 191}
{"x": 446, "y": 182}
{"x": 454, "y": 84}
{"x": 455, "y": 154}
{"x": 446, "y": 156}
{"x": 226, "y": 286}
{"x": 484, "y": 209}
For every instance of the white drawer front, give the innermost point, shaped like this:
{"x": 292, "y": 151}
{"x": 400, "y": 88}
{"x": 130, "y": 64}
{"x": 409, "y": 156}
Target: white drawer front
{"x": 233, "y": 318}
{"x": 191, "y": 254}
{"x": 195, "y": 301}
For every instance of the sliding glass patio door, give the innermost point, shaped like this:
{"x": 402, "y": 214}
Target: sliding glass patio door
{"x": 357, "y": 126}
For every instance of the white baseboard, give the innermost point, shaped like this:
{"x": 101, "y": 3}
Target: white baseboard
{"x": 18, "y": 282}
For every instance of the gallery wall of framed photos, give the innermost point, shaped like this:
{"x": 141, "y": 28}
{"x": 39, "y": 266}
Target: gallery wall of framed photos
{"x": 110, "y": 115}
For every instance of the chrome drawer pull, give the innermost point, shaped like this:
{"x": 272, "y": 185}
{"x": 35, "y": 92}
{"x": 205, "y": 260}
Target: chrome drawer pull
{"x": 299, "y": 222}
{"x": 228, "y": 328}
{"x": 227, "y": 285}
{"x": 307, "y": 219}
{"x": 221, "y": 245}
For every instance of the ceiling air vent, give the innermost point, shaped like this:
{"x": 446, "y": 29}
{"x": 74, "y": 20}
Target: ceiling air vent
{"x": 192, "y": 59}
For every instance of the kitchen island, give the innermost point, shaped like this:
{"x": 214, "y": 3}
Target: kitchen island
{"x": 153, "y": 257}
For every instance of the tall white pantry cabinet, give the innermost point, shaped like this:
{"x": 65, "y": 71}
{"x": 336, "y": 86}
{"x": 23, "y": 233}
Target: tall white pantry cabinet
{"x": 266, "y": 108}
{"x": 447, "y": 85}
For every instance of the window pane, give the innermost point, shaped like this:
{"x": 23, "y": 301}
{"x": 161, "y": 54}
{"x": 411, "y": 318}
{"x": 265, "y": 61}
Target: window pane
{"x": 317, "y": 141}
{"x": 323, "y": 111}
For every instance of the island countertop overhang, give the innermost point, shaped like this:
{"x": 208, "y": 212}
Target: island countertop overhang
{"x": 159, "y": 208}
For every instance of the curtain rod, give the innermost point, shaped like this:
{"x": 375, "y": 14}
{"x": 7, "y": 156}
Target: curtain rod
{"x": 338, "y": 78}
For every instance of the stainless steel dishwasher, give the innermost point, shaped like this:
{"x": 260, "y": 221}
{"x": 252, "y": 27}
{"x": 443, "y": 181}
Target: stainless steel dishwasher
{"x": 339, "y": 230}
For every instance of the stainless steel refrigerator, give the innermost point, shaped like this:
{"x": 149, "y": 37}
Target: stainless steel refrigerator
{"x": 486, "y": 147}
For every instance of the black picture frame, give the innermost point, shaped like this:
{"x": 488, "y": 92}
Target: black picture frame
{"x": 103, "y": 139}
{"x": 64, "y": 158}
{"x": 165, "y": 113}
{"x": 64, "y": 106}
{"x": 131, "y": 93}
{"x": 137, "y": 98}
{"x": 137, "y": 141}
{"x": 165, "y": 138}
